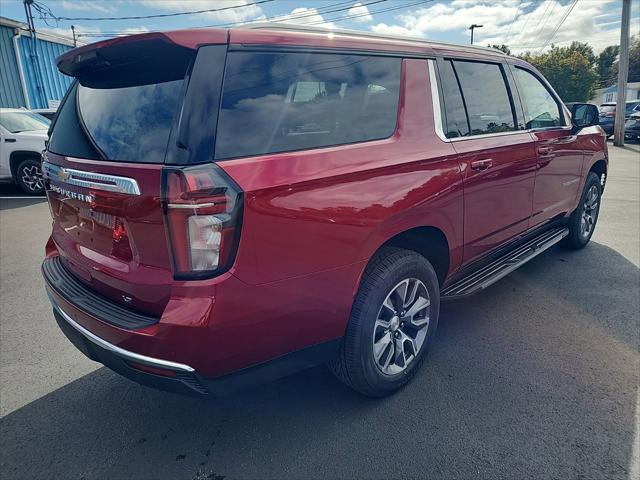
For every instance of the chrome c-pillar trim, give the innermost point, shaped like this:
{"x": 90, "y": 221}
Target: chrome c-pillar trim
{"x": 435, "y": 99}
{"x": 121, "y": 352}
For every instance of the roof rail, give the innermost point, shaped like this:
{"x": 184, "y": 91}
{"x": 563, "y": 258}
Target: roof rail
{"x": 359, "y": 33}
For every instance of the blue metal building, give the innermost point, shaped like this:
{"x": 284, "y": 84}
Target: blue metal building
{"x": 28, "y": 74}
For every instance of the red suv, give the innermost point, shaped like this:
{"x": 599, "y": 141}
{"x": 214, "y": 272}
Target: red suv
{"x": 231, "y": 206}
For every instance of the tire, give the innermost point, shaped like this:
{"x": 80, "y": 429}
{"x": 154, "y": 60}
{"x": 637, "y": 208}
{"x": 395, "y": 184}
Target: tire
{"x": 378, "y": 371}
{"x": 29, "y": 176}
{"x": 582, "y": 222}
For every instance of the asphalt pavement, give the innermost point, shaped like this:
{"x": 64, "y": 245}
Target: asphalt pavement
{"x": 537, "y": 377}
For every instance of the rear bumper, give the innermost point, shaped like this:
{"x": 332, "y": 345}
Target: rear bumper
{"x": 181, "y": 378}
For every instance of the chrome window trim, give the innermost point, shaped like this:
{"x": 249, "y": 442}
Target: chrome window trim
{"x": 439, "y": 124}
{"x": 121, "y": 352}
{"x": 95, "y": 181}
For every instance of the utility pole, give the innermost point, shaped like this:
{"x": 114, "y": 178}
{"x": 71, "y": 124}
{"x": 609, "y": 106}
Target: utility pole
{"x": 472, "y": 28}
{"x": 623, "y": 73}
{"x": 73, "y": 32}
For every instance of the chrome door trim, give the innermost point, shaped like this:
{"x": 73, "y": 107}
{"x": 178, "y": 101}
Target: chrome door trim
{"x": 95, "y": 181}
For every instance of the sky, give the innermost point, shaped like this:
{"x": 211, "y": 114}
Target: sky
{"x": 524, "y": 25}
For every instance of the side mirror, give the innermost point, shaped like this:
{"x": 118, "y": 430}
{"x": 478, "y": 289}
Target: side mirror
{"x": 584, "y": 115}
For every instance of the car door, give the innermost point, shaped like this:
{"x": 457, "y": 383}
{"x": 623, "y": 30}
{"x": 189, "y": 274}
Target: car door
{"x": 5, "y": 169}
{"x": 560, "y": 157}
{"x": 497, "y": 156}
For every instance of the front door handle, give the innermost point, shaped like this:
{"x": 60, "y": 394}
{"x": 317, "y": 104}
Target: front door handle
{"x": 9, "y": 140}
{"x": 482, "y": 165}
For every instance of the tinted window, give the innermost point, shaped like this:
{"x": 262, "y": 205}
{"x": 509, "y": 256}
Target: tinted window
{"x": 486, "y": 97}
{"x": 275, "y": 102}
{"x": 131, "y": 124}
{"x": 540, "y": 108}
{"x": 455, "y": 115}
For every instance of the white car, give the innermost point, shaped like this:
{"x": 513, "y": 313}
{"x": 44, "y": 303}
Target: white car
{"x": 22, "y": 139}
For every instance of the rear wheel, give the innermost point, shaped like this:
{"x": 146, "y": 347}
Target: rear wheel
{"x": 29, "y": 176}
{"x": 582, "y": 222}
{"x": 392, "y": 323}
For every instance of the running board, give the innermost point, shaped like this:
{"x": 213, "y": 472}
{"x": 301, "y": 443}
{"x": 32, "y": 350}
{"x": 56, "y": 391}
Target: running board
{"x": 504, "y": 265}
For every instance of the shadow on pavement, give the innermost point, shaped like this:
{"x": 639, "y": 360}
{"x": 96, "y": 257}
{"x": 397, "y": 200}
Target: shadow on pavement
{"x": 536, "y": 377}
{"x": 11, "y": 203}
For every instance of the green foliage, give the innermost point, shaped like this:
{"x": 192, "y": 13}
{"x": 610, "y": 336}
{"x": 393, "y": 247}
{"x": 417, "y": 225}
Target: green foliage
{"x": 570, "y": 70}
{"x": 502, "y": 48}
{"x": 605, "y": 62}
{"x": 634, "y": 63}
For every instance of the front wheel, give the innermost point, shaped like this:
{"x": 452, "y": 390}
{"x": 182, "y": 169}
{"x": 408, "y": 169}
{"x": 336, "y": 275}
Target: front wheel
{"x": 392, "y": 323}
{"x": 582, "y": 222}
{"x": 29, "y": 176}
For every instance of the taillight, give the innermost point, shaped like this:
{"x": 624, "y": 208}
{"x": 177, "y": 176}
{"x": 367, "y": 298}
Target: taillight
{"x": 203, "y": 209}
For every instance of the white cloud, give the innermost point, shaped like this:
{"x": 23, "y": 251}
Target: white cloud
{"x": 134, "y": 30}
{"x": 521, "y": 25}
{"x": 84, "y": 6}
{"x": 243, "y": 9}
{"x": 361, "y": 13}
{"x": 303, "y": 16}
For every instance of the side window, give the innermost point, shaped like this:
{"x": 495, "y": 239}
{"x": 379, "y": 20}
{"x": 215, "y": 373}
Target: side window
{"x": 278, "y": 102}
{"x": 455, "y": 115}
{"x": 486, "y": 97}
{"x": 540, "y": 108}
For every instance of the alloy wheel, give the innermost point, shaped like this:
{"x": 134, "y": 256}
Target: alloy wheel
{"x": 401, "y": 326}
{"x": 31, "y": 177}
{"x": 589, "y": 212}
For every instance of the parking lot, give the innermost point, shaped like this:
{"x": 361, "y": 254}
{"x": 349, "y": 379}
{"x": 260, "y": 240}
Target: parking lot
{"x": 535, "y": 378}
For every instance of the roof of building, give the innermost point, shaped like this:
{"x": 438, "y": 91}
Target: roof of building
{"x": 23, "y": 29}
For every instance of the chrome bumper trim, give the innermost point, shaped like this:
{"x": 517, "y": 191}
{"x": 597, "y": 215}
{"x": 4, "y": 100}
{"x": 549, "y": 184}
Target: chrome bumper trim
{"x": 126, "y": 354}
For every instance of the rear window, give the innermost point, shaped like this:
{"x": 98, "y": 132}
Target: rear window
{"x": 130, "y": 124}
{"x": 277, "y": 102}
{"x": 632, "y": 106}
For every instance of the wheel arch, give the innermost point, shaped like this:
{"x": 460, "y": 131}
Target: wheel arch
{"x": 600, "y": 168}
{"x": 18, "y": 156}
{"x": 428, "y": 241}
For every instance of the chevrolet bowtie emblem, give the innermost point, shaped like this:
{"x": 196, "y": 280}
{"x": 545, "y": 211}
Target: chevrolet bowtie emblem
{"x": 63, "y": 175}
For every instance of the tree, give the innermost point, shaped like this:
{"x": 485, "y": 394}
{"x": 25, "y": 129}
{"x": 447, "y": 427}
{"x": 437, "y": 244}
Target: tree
{"x": 503, "y": 48}
{"x": 634, "y": 63}
{"x": 570, "y": 70}
{"x": 605, "y": 62}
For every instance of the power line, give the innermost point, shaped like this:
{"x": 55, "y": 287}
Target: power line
{"x": 543, "y": 21}
{"x": 564, "y": 17}
{"x": 515, "y": 17}
{"x": 318, "y": 11}
{"x": 323, "y": 10}
{"x": 349, "y": 17}
{"x": 46, "y": 12}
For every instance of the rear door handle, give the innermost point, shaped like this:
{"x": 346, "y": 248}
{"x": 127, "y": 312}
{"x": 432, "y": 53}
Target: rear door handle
{"x": 544, "y": 150}
{"x": 482, "y": 165}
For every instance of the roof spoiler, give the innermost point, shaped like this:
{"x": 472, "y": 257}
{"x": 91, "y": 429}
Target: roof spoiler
{"x": 137, "y": 59}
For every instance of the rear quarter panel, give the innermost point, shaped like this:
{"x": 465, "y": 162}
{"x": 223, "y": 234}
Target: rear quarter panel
{"x": 310, "y": 211}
